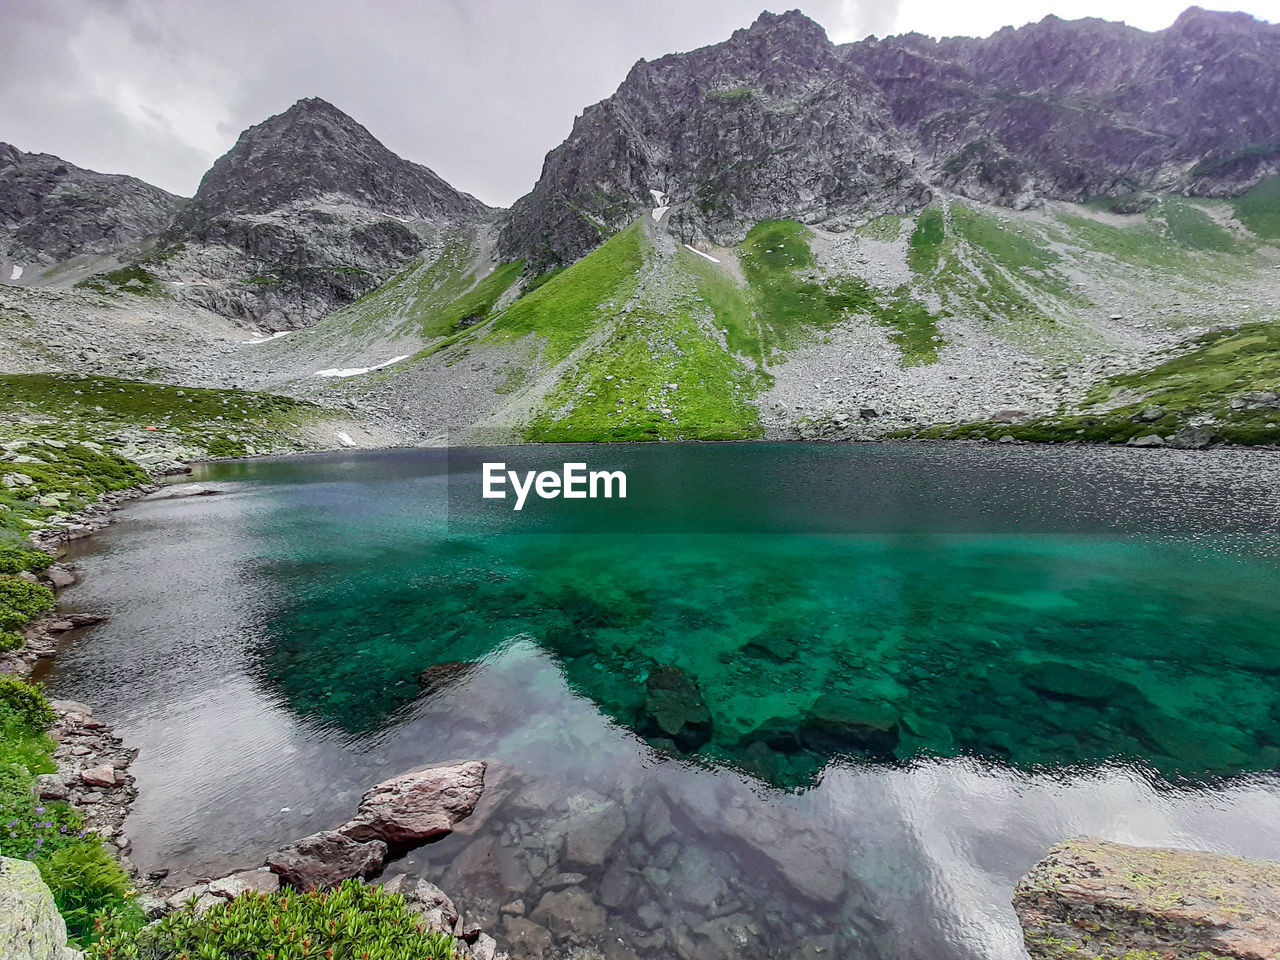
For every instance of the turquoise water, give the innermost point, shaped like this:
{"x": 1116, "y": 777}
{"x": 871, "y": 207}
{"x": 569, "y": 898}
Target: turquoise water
{"x": 854, "y": 730}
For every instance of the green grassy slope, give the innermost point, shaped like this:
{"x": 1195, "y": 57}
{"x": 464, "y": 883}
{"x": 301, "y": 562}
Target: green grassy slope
{"x": 1221, "y": 382}
{"x": 222, "y": 423}
{"x": 635, "y": 341}
{"x": 661, "y": 374}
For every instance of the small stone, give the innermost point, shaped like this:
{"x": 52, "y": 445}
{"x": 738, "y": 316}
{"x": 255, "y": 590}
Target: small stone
{"x": 103, "y": 776}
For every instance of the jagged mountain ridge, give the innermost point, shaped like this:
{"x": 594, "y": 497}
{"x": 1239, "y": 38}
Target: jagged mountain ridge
{"x": 778, "y": 121}
{"x": 51, "y": 210}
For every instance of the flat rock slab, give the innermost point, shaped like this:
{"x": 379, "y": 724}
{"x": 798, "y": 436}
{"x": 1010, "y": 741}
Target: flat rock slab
{"x": 325, "y": 859}
{"x": 1090, "y": 898}
{"x": 420, "y": 805}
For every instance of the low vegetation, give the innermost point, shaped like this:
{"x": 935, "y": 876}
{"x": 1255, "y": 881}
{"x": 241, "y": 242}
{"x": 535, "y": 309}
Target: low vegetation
{"x": 46, "y": 474}
{"x": 1259, "y": 208}
{"x": 1225, "y": 382}
{"x": 565, "y": 309}
{"x": 216, "y": 423}
{"x": 791, "y": 299}
{"x": 131, "y": 279}
{"x": 352, "y": 922}
{"x": 91, "y": 889}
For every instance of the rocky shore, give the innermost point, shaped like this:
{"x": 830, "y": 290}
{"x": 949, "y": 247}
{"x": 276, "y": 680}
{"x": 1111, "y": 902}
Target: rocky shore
{"x": 93, "y": 777}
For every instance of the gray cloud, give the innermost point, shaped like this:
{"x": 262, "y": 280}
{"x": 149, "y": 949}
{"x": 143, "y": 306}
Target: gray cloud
{"x": 478, "y": 90}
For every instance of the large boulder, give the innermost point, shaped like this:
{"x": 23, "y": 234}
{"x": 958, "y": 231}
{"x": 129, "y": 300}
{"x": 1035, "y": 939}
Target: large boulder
{"x": 420, "y": 805}
{"x": 325, "y": 859}
{"x": 30, "y": 926}
{"x": 1090, "y": 898}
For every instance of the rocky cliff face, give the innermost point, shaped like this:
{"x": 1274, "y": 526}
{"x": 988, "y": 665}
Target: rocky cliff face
{"x": 1079, "y": 109}
{"x": 779, "y": 122}
{"x": 307, "y": 212}
{"x": 774, "y": 122}
{"x": 51, "y": 210}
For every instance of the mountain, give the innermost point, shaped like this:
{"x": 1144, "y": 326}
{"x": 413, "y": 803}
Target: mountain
{"x": 1068, "y": 231}
{"x": 773, "y": 122}
{"x": 778, "y": 122}
{"x": 306, "y": 212}
{"x": 1074, "y": 110}
{"x": 51, "y": 210}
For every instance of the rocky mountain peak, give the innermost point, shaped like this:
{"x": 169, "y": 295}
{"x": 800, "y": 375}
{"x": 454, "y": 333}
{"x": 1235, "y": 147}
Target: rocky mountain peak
{"x": 771, "y": 122}
{"x": 312, "y": 151}
{"x": 792, "y": 28}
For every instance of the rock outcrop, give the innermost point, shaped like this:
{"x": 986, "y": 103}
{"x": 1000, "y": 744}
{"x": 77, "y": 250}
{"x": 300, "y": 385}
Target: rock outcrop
{"x": 778, "y": 121}
{"x": 30, "y": 926}
{"x": 51, "y": 210}
{"x": 420, "y": 805}
{"x": 1092, "y": 898}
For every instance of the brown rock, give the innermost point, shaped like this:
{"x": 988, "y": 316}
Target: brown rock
{"x": 103, "y": 776}
{"x": 527, "y": 940}
{"x": 1090, "y": 898}
{"x": 325, "y": 859}
{"x": 420, "y": 805}
{"x": 59, "y": 577}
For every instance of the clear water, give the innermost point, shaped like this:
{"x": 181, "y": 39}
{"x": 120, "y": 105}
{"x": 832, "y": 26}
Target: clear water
{"x": 851, "y": 733}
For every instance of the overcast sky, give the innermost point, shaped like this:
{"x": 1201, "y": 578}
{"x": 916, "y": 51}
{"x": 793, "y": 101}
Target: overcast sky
{"x": 478, "y": 90}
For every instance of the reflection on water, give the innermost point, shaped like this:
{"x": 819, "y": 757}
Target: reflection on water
{"x": 709, "y": 743}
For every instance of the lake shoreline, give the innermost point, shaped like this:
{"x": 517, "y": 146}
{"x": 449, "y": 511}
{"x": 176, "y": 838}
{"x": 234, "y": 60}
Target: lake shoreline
{"x": 93, "y": 763}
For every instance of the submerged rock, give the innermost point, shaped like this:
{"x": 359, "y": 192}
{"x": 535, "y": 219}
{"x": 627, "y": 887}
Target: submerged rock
{"x": 30, "y": 926}
{"x": 325, "y": 859}
{"x": 420, "y": 805}
{"x": 676, "y": 708}
{"x": 1091, "y": 898}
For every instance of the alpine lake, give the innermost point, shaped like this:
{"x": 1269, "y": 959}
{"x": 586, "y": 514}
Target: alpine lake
{"x": 784, "y": 700}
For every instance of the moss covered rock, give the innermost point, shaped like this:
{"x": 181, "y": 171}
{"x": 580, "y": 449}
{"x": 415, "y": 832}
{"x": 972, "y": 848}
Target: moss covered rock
{"x": 30, "y": 926}
{"x": 1090, "y": 898}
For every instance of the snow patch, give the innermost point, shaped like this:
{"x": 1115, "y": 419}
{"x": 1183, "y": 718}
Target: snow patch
{"x": 704, "y": 256}
{"x": 15, "y": 273}
{"x": 258, "y": 338}
{"x": 660, "y": 204}
{"x": 344, "y": 438}
{"x": 356, "y": 371}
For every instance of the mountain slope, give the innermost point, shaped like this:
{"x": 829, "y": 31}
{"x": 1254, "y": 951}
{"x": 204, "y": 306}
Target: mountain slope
{"x": 307, "y": 212}
{"x": 778, "y": 122}
{"x": 51, "y": 210}
{"x": 962, "y": 312}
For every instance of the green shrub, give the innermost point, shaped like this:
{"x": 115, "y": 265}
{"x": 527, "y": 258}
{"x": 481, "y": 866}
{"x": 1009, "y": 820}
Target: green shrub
{"x": 92, "y": 891}
{"x": 25, "y": 703}
{"x": 22, "y": 601}
{"x": 16, "y": 557}
{"x": 10, "y": 640}
{"x": 353, "y": 921}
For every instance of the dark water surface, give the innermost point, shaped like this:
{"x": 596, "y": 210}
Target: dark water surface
{"x": 847, "y": 736}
